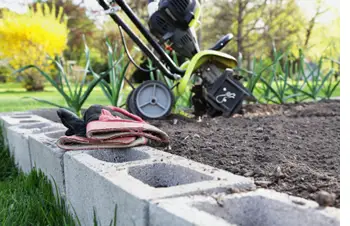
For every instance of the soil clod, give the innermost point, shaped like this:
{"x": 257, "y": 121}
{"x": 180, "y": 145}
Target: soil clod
{"x": 324, "y": 198}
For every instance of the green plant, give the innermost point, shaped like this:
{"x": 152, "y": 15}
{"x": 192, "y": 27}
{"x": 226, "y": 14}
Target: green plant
{"x": 280, "y": 83}
{"x": 331, "y": 86}
{"x": 276, "y": 87}
{"x": 316, "y": 80}
{"x": 117, "y": 68}
{"x": 269, "y": 83}
{"x": 71, "y": 89}
{"x": 112, "y": 222}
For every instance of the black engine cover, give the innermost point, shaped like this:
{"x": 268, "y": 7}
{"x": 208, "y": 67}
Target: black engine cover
{"x": 171, "y": 23}
{"x": 180, "y": 11}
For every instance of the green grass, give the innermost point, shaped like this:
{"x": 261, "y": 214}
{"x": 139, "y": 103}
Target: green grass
{"x": 12, "y": 98}
{"x": 28, "y": 199}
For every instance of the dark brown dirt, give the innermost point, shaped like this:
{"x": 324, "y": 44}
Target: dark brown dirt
{"x": 290, "y": 148}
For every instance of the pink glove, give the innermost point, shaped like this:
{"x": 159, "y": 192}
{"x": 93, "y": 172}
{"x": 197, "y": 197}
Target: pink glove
{"x": 115, "y": 128}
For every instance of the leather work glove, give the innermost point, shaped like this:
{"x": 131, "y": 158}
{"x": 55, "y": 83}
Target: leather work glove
{"x": 75, "y": 125}
{"x": 106, "y": 127}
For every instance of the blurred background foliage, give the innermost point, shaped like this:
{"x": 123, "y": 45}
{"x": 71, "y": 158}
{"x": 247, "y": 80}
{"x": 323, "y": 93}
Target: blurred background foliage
{"x": 260, "y": 28}
{"x": 29, "y": 37}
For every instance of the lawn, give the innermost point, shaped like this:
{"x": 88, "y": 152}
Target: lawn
{"x": 28, "y": 199}
{"x": 12, "y": 98}
{"x": 31, "y": 199}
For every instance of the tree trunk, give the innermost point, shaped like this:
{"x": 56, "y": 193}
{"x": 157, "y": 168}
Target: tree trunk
{"x": 240, "y": 27}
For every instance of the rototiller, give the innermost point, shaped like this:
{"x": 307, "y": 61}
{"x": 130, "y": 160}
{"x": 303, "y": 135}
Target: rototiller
{"x": 217, "y": 91}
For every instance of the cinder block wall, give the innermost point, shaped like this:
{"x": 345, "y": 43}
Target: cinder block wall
{"x": 145, "y": 186}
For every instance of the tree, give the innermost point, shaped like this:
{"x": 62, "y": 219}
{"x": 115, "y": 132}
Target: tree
{"x": 28, "y": 38}
{"x": 241, "y": 17}
{"x": 284, "y": 25}
{"x": 312, "y": 22}
{"x": 257, "y": 25}
{"x": 323, "y": 39}
{"x": 79, "y": 24}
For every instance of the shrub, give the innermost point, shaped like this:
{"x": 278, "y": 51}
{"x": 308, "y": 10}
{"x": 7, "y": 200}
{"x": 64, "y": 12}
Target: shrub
{"x": 70, "y": 85}
{"x": 28, "y": 38}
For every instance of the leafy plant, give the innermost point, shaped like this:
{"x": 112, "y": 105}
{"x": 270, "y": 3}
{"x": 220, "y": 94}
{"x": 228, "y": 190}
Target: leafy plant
{"x": 117, "y": 68}
{"x": 276, "y": 88}
{"x": 70, "y": 89}
{"x": 113, "y": 222}
{"x": 278, "y": 83}
{"x": 315, "y": 80}
{"x": 333, "y": 83}
{"x": 269, "y": 83}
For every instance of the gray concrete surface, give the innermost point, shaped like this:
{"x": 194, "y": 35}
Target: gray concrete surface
{"x": 47, "y": 113}
{"x": 18, "y": 144}
{"x": 12, "y": 119}
{"x": 130, "y": 186}
{"x": 260, "y": 207}
{"x": 47, "y": 157}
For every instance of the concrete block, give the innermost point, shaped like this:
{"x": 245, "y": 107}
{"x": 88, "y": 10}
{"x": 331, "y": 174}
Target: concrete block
{"x": 47, "y": 157}
{"x": 18, "y": 118}
{"x": 260, "y": 207}
{"x": 129, "y": 179}
{"x": 47, "y": 113}
{"x": 18, "y": 141}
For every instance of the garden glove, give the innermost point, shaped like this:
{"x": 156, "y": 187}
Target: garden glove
{"x": 75, "y": 125}
{"x": 107, "y": 127}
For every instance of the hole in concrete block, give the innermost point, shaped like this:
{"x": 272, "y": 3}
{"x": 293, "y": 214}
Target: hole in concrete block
{"x": 262, "y": 211}
{"x": 119, "y": 156}
{"x": 47, "y": 129}
{"x": 34, "y": 126}
{"x": 21, "y": 116}
{"x": 160, "y": 175}
{"x": 28, "y": 121}
{"x": 56, "y": 135}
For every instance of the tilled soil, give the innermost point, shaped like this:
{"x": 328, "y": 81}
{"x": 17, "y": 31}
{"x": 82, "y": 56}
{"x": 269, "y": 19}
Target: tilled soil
{"x": 292, "y": 148}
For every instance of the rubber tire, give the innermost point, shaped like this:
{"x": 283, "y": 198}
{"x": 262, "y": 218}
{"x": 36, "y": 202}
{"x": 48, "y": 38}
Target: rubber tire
{"x": 130, "y": 106}
{"x": 138, "y": 113}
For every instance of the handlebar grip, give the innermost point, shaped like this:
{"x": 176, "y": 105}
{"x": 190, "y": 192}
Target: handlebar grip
{"x": 222, "y": 42}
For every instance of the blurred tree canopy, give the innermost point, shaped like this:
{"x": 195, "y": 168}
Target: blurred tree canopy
{"x": 78, "y": 23}
{"x": 82, "y": 22}
{"x": 27, "y": 39}
{"x": 258, "y": 27}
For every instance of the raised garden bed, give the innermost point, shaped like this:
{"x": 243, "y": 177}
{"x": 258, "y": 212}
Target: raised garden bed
{"x": 292, "y": 148}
